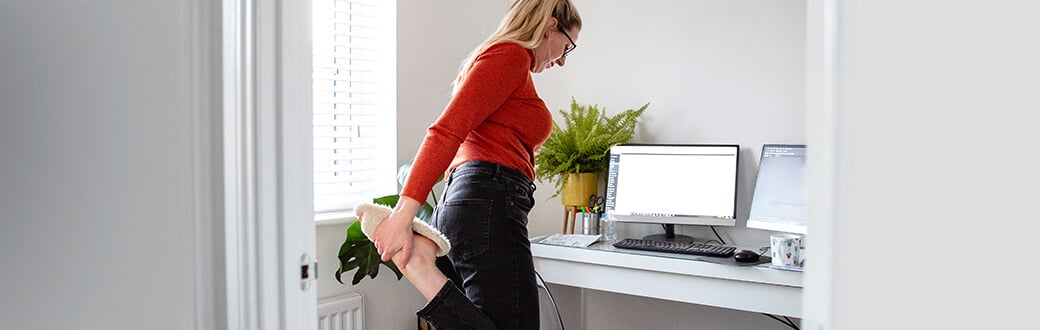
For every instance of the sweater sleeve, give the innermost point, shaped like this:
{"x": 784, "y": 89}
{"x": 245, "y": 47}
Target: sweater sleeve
{"x": 491, "y": 79}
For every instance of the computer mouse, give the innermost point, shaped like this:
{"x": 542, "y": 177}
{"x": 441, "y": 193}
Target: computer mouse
{"x": 746, "y": 256}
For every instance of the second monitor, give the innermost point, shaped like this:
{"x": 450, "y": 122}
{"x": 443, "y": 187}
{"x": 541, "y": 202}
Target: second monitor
{"x": 780, "y": 202}
{"x": 690, "y": 184}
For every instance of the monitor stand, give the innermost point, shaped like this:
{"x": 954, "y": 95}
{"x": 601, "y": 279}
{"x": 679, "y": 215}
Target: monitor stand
{"x": 669, "y": 235}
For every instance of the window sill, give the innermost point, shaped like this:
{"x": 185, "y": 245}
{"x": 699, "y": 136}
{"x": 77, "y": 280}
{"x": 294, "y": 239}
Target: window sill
{"x": 334, "y": 218}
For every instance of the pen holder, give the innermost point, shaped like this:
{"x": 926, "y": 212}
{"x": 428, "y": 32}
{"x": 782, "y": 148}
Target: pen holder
{"x": 590, "y": 223}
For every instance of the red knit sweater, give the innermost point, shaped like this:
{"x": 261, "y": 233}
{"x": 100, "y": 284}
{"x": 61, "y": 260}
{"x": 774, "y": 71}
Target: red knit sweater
{"x": 495, "y": 115}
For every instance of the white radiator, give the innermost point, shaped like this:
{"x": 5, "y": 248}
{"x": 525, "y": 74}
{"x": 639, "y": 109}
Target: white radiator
{"x": 343, "y": 312}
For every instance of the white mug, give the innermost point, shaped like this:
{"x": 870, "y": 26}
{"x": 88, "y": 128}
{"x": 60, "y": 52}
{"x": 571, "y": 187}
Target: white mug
{"x": 786, "y": 249}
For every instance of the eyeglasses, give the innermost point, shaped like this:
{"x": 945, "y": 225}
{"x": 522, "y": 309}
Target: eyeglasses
{"x": 570, "y": 47}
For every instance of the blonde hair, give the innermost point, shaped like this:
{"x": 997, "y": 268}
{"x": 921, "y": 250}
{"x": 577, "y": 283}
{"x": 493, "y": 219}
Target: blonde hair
{"x": 523, "y": 24}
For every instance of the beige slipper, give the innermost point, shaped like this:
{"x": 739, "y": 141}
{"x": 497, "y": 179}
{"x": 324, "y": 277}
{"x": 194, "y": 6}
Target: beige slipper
{"x": 372, "y": 214}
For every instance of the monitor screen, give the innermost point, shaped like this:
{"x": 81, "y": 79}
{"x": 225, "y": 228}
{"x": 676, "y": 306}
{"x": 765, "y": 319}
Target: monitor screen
{"x": 673, "y": 184}
{"x": 780, "y": 201}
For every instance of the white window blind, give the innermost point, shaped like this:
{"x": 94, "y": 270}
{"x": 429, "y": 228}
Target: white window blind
{"x": 354, "y": 77}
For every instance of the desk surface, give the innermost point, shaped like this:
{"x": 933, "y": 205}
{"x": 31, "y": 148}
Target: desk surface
{"x": 677, "y": 277}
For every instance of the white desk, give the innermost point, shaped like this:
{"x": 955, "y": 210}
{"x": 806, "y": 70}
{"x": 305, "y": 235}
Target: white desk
{"x": 668, "y": 276}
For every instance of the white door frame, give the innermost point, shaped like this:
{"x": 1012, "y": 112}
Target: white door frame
{"x": 269, "y": 228}
{"x": 821, "y": 48}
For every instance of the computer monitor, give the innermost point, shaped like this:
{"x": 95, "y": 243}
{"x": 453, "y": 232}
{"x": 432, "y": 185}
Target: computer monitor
{"x": 780, "y": 201}
{"x": 689, "y": 184}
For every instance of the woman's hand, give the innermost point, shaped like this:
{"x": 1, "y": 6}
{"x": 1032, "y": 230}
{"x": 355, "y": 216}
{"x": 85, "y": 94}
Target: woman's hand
{"x": 393, "y": 236}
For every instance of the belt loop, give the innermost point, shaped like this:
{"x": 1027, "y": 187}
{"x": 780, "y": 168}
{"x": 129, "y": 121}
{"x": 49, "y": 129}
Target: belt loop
{"x": 498, "y": 171}
{"x": 451, "y": 176}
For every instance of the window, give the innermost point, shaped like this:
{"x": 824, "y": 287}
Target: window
{"x": 354, "y": 102}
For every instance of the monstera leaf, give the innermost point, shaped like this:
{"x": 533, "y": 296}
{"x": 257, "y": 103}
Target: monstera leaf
{"x": 425, "y": 211}
{"x": 358, "y": 252}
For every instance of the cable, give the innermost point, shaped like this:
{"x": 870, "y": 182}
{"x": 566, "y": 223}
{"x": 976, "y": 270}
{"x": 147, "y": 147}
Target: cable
{"x": 717, "y": 235}
{"x": 788, "y": 323}
{"x": 551, "y": 299}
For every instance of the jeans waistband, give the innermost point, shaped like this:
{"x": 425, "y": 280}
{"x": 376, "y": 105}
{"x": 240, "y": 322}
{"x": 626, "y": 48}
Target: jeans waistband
{"x": 496, "y": 170}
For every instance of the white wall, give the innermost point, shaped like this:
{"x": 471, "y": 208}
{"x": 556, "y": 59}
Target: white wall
{"x": 933, "y": 130}
{"x": 433, "y": 37}
{"x": 109, "y": 178}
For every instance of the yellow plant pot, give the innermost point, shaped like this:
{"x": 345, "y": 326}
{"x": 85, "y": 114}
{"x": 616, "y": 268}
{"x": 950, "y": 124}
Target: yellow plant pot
{"x": 578, "y": 187}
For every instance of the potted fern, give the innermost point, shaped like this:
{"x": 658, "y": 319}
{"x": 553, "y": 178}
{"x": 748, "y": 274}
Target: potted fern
{"x": 575, "y": 155}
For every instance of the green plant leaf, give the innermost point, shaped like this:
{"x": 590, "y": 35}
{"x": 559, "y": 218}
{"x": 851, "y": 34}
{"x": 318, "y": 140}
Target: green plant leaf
{"x": 358, "y": 252}
{"x": 388, "y": 200}
{"x": 425, "y": 210}
{"x": 402, "y": 173}
{"x": 402, "y": 177}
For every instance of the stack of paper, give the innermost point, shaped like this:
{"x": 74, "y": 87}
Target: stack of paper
{"x": 571, "y": 240}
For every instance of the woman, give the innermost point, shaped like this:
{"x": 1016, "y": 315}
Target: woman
{"x": 484, "y": 142}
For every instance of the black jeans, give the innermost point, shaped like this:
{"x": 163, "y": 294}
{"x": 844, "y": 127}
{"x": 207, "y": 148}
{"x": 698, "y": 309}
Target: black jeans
{"x": 490, "y": 269}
